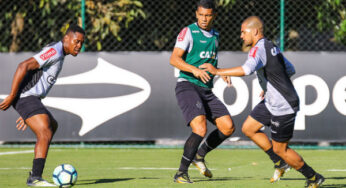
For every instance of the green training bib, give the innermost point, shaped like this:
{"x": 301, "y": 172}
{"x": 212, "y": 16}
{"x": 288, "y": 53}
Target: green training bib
{"x": 204, "y": 50}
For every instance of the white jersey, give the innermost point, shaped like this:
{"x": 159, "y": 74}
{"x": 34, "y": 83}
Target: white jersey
{"x": 273, "y": 72}
{"x": 38, "y": 82}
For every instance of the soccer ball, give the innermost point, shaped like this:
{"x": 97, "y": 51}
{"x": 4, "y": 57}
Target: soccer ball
{"x": 65, "y": 175}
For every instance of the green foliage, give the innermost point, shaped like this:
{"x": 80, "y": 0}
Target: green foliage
{"x": 331, "y": 14}
{"x": 108, "y": 18}
{"x": 225, "y": 3}
{"x": 45, "y": 21}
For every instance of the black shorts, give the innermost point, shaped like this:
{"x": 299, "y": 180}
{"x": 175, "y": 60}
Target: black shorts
{"x": 281, "y": 126}
{"x": 194, "y": 100}
{"x": 30, "y": 106}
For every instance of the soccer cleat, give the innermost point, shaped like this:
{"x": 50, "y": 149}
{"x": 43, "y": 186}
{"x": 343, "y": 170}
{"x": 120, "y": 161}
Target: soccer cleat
{"x": 279, "y": 171}
{"x": 37, "y": 182}
{"x": 315, "y": 181}
{"x": 182, "y": 177}
{"x": 200, "y": 164}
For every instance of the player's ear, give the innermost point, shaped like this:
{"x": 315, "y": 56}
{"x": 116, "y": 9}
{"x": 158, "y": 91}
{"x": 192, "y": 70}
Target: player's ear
{"x": 66, "y": 37}
{"x": 255, "y": 31}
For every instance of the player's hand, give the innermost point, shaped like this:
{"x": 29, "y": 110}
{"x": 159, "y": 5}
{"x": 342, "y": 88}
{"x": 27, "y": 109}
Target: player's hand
{"x": 262, "y": 95}
{"x": 228, "y": 80}
{"x": 201, "y": 74}
{"x": 209, "y": 67}
{"x": 6, "y": 103}
{"x": 21, "y": 125}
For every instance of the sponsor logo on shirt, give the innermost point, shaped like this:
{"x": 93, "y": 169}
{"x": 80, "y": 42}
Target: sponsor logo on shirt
{"x": 253, "y": 51}
{"x": 202, "y": 41}
{"x": 51, "y": 79}
{"x": 182, "y": 34}
{"x": 206, "y": 54}
{"x": 195, "y": 31}
{"x": 274, "y": 51}
{"x": 51, "y": 52}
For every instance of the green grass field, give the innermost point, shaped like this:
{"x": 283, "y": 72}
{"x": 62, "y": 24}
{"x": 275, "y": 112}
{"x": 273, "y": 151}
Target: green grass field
{"x": 100, "y": 167}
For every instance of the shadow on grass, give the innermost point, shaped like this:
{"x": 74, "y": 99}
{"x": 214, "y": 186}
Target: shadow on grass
{"x": 334, "y": 185}
{"x": 221, "y": 179}
{"x": 98, "y": 181}
{"x": 110, "y": 180}
{"x": 327, "y": 178}
{"x": 324, "y": 184}
{"x": 148, "y": 178}
{"x": 335, "y": 178}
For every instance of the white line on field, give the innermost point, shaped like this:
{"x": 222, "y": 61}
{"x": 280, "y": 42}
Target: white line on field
{"x": 151, "y": 168}
{"x": 21, "y": 168}
{"x": 337, "y": 170}
{"x": 16, "y": 152}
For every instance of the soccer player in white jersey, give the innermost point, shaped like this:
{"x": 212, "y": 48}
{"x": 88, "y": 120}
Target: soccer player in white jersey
{"x": 32, "y": 81}
{"x": 279, "y": 107}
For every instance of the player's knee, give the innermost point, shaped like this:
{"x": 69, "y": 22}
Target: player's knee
{"x": 247, "y": 132}
{"x": 199, "y": 125}
{"x": 45, "y": 135}
{"x": 229, "y": 130}
{"x": 232, "y": 128}
{"x": 279, "y": 151}
{"x": 201, "y": 131}
{"x": 199, "y": 121}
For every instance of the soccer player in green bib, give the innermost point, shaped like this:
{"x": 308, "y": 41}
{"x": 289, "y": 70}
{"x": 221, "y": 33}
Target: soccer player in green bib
{"x": 197, "y": 44}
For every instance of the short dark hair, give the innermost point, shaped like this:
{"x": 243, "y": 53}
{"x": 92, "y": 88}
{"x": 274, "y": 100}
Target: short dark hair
{"x": 75, "y": 28}
{"x": 208, "y": 4}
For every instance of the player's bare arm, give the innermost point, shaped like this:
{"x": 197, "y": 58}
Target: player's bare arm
{"x": 177, "y": 61}
{"x": 22, "y": 69}
{"x": 235, "y": 71}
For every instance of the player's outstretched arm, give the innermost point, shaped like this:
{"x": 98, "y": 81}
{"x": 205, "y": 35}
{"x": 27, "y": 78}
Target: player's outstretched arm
{"x": 22, "y": 69}
{"x": 177, "y": 61}
{"x": 235, "y": 71}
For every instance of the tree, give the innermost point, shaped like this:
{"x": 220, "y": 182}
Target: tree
{"x": 108, "y": 18}
{"x": 43, "y": 21}
{"x": 331, "y": 15}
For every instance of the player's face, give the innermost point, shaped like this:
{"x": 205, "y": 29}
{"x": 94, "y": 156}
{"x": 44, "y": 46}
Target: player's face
{"x": 75, "y": 43}
{"x": 205, "y": 18}
{"x": 246, "y": 35}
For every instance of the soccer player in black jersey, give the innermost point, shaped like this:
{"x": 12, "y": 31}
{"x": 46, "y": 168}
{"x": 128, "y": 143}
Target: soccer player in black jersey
{"x": 279, "y": 107}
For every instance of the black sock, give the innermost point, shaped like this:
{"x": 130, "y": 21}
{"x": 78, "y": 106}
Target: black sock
{"x": 214, "y": 139}
{"x": 307, "y": 171}
{"x": 274, "y": 157}
{"x": 190, "y": 150}
{"x": 37, "y": 167}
